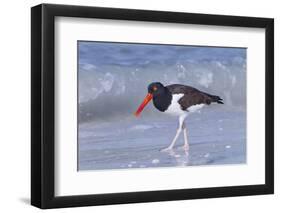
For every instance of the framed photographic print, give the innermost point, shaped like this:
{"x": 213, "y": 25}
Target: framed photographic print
{"x": 140, "y": 106}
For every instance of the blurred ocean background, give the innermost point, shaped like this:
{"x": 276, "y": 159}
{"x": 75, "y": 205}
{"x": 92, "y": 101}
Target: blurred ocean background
{"x": 113, "y": 80}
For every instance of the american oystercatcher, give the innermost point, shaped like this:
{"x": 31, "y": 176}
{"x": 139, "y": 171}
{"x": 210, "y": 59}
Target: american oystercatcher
{"x": 179, "y": 100}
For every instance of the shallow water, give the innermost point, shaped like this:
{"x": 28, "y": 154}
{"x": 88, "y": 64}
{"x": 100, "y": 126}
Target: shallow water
{"x": 217, "y": 136}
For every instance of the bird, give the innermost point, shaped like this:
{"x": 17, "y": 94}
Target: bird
{"x": 178, "y": 100}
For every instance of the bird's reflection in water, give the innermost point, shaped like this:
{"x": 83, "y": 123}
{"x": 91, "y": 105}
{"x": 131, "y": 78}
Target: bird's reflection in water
{"x": 181, "y": 157}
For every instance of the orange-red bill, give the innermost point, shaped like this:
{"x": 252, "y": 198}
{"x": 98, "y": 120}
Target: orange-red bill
{"x": 143, "y": 104}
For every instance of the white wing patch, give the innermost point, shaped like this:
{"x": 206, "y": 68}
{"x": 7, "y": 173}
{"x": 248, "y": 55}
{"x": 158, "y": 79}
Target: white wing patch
{"x": 195, "y": 108}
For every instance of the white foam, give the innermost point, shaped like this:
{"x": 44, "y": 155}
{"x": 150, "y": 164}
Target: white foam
{"x": 140, "y": 127}
{"x": 107, "y": 82}
{"x": 207, "y": 155}
{"x": 155, "y": 161}
{"x": 206, "y": 79}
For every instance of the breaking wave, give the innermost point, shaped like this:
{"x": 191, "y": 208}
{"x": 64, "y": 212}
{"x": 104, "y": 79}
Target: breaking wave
{"x": 113, "y": 78}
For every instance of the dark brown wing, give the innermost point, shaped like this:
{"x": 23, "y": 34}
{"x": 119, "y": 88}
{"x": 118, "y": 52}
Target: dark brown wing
{"x": 192, "y": 96}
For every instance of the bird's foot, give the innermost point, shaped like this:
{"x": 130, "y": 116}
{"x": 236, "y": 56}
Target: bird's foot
{"x": 168, "y": 149}
{"x": 185, "y": 148}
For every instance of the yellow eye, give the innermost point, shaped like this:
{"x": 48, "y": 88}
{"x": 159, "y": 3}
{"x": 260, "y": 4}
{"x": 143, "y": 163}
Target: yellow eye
{"x": 154, "y": 88}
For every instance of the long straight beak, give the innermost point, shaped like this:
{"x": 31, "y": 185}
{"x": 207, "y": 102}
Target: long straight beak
{"x": 143, "y": 104}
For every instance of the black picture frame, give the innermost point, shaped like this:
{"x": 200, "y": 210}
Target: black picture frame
{"x": 43, "y": 111}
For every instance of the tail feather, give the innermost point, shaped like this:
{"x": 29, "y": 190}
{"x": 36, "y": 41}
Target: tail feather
{"x": 216, "y": 99}
{"x": 220, "y": 102}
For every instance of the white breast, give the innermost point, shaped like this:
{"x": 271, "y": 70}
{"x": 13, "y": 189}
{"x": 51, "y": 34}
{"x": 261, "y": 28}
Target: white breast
{"x": 175, "y": 108}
